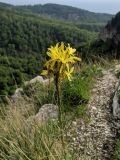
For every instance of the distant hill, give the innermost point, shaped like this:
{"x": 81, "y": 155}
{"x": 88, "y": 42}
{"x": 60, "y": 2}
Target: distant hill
{"x": 81, "y": 18}
{"x": 67, "y": 13}
{"x": 5, "y": 5}
{"x": 63, "y": 12}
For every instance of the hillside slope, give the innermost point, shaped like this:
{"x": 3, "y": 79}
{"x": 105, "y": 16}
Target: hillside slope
{"x": 83, "y": 19}
{"x": 62, "y": 12}
{"x": 67, "y": 13}
{"x": 24, "y": 40}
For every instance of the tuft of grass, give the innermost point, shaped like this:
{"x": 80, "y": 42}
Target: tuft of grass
{"x": 25, "y": 140}
{"x": 81, "y": 111}
{"x": 77, "y": 92}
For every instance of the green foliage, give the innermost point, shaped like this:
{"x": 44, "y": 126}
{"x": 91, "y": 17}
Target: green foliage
{"x": 77, "y": 92}
{"x": 81, "y": 111}
{"x": 97, "y": 27}
{"x": 24, "y": 41}
{"x": 73, "y": 93}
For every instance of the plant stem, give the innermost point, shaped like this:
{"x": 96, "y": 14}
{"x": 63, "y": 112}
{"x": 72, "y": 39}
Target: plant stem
{"x": 57, "y": 84}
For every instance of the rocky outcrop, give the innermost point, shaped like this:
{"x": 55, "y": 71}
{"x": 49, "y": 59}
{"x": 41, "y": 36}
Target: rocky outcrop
{"x": 108, "y": 34}
{"x": 111, "y": 35}
{"x": 116, "y": 99}
{"x": 116, "y": 104}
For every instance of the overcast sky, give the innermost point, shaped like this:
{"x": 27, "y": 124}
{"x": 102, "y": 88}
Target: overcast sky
{"x": 106, "y": 6}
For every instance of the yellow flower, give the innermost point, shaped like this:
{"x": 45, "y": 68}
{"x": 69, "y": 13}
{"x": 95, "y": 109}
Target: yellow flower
{"x": 69, "y": 72}
{"x": 61, "y": 58}
{"x": 71, "y": 50}
{"x": 44, "y": 72}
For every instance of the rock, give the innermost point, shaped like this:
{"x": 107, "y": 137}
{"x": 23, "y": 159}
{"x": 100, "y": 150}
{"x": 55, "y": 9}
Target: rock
{"x": 17, "y": 94}
{"x": 47, "y": 81}
{"x": 116, "y": 104}
{"x": 37, "y": 79}
{"x": 117, "y": 67}
{"x": 117, "y": 70}
{"x": 74, "y": 123}
{"x": 46, "y": 112}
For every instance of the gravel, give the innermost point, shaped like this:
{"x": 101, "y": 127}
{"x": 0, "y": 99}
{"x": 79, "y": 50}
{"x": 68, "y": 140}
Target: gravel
{"x": 95, "y": 139}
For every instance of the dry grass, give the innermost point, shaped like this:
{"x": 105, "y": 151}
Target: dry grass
{"x": 20, "y": 139}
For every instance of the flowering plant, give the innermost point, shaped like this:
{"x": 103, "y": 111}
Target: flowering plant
{"x": 60, "y": 65}
{"x": 61, "y": 60}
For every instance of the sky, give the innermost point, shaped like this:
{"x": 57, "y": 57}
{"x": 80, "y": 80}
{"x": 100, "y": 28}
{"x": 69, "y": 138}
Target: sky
{"x": 102, "y": 6}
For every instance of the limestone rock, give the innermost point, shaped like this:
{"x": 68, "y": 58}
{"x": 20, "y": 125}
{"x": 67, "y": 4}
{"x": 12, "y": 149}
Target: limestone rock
{"x": 46, "y": 112}
{"x": 36, "y": 79}
{"x": 17, "y": 94}
{"x": 116, "y": 104}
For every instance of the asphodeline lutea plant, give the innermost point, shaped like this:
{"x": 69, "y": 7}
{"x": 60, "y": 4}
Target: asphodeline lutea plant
{"x": 60, "y": 65}
{"x": 61, "y": 61}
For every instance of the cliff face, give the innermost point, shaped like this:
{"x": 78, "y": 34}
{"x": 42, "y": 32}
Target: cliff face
{"x": 111, "y": 34}
{"x": 108, "y": 34}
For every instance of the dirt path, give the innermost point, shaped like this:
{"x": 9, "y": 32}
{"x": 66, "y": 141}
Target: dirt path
{"x": 95, "y": 139}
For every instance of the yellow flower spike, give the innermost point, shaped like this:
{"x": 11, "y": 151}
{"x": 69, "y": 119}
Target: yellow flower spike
{"x": 77, "y": 58}
{"x": 61, "y": 68}
{"x": 61, "y": 58}
{"x": 69, "y": 75}
{"x": 62, "y": 46}
{"x": 60, "y": 65}
{"x": 69, "y": 72}
{"x": 71, "y": 50}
